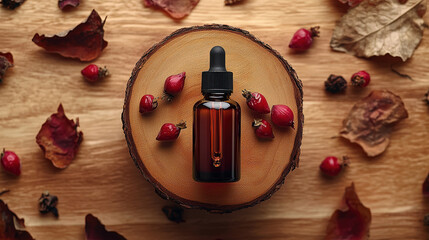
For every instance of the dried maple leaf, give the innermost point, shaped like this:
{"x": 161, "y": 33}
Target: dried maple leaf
{"x": 11, "y": 225}
{"x": 380, "y": 27}
{"x": 95, "y": 230}
{"x": 352, "y": 222}
{"x": 59, "y": 139}
{"x": 351, "y": 3}
{"x": 6, "y": 61}
{"x": 175, "y": 8}
{"x": 12, "y": 4}
{"x": 84, "y": 42}
{"x": 370, "y": 121}
{"x": 64, "y": 4}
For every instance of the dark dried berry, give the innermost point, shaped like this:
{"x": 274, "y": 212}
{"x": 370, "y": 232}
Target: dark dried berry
{"x": 12, "y": 4}
{"x": 48, "y": 203}
{"x": 335, "y": 84}
{"x": 173, "y": 213}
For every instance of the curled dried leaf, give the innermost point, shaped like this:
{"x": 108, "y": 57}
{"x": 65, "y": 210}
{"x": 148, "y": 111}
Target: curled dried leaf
{"x": 352, "y": 221}
{"x": 12, "y": 4}
{"x": 175, "y": 8}
{"x": 6, "y": 61}
{"x": 11, "y": 225}
{"x": 370, "y": 121}
{"x": 64, "y": 4}
{"x": 59, "y": 138}
{"x": 380, "y": 27}
{"x": 95, "y": 230}
{"x": 84, "y": 42}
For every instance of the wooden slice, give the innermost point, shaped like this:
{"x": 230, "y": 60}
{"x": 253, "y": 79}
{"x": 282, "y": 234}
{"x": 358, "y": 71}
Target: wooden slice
{"x": 168, "y": 166}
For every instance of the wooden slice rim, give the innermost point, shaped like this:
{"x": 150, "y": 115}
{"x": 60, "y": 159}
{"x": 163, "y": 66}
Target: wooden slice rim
{"x": 165, "y": 193}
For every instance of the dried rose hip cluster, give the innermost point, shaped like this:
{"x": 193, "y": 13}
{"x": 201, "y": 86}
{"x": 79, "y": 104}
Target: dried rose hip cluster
{"x": 337, "y": 84}
{"x": 281, "y": 115}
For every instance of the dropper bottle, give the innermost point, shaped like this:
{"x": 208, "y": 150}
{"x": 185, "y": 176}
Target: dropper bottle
{"x": 216, "y": 125}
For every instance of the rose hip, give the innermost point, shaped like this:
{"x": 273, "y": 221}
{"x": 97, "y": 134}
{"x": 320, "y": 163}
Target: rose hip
{"x": 263, "y": 128}
{"x": 256, "y": 102}
{"x": 282, "y": 116}
{"x": 303, "y": 38}
{"x": 331, "y": 166}
{"x": 174, "y": 85}
{"x": 361, "y": 79}
{"x": 169, "y": 131}
{"x": 10, "y": 162}
{"x": 93, "y": 73}
{"x": 148, "y": 103}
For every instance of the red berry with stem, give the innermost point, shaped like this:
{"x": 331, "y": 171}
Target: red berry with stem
{"x": 169, "y": 131}
{"x": 303, "y": 38}
{"x": 256, "y": 102}
{"x": 263, "y": 128}
{"x": 93, "y": 73}
{"x": 174, "y": 85}
{"x": 10, "y": 162}
{"x": 361, "y": 79}
{"x": 331, "y": 166}
{"x": 148, "y": 103}
{"x": 282, "y": 116}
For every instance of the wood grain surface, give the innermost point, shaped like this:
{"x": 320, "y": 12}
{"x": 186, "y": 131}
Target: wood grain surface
{"x": 103, "y": 179}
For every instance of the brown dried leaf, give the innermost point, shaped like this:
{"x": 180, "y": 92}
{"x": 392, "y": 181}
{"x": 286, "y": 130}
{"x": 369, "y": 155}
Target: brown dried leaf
{"x": 95, "y": 230}
{"x": 380, "y": 27}
{"x": 6, "y": 61}
{"x": 352, "y": 222}
{"x": 84, "y": 42}
{"x": 370, "y": 121}
{"x": 59, "y": 139}
{"x": 175, "y": 8}
{"x": 65, "y": 4}
{"x": 10, "y": 225}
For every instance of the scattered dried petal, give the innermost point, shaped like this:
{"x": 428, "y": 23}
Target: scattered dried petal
{"x": 11, "y": 226}
{"x": 48, "y": 203}
{"x": 64, "y": 4}
{"x": 380, "y": 27}
{"x": 335, "y": 84}
{"x": 370, "y": 121}
{"x": 175, "y": 8}
{"x": 352, "y": 222}
{"x": 6, "y": 61}
{"x": 351, "y": 3}
{"x": 426, "y": 187}
{"x": 95, "y": 230}
{"x": 12, "y": 4}
{"x": 84, "y": 42}
{"x": 173, "y": 213}
{"x": 59, "y": 139}
{"x": 231, "y": 2}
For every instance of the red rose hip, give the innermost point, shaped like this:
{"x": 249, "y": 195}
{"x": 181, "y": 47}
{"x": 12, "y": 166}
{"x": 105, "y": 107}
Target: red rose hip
{"x": 174, "y": 85}
{"x": 330, "y": 166}
{"x": 148, "y": 103}
{"x": 170, "y": 132}
{"x": 361, "y": 79}
{"x": 282, "y": 116}
{"x": 256, "y": 102}
{"x": 263, "y": 128}
{"x": 10, "y": 162}
{"x": 303, "y": 38}
{"x": 92, "y": 73}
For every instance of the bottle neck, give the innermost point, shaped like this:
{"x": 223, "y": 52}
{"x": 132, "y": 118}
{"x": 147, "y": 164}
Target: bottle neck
{"x": 217, "y": 96}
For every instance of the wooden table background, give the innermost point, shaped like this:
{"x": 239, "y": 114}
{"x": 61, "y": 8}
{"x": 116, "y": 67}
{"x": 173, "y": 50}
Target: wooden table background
{"x": 103, "y": 179}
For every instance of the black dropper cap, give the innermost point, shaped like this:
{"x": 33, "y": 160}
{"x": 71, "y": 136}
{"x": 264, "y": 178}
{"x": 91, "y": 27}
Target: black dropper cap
{"x": 217, "y": 79}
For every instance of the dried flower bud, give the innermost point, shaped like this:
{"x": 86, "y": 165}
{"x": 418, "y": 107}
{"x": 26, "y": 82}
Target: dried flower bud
{"x": 335, "y": 84}
{"x": 173, "y": 213}
{"x": 48, "y": 203}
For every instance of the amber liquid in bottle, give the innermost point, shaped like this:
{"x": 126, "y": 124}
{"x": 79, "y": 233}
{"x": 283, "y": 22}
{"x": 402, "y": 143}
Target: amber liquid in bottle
{"x": 216, "y": 139}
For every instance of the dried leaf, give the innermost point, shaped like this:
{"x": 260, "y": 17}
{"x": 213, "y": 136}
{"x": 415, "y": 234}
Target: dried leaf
{"x": 59, "y": 139}
{"x": 351, "y": 3}
{"x": 352, "y": 222}
{"x": 64, "y": 4}
{"x": 84, "y": 42}
{"x": 380, "y": 27}
{"x": 6, "y": 61}
{"x": 175, "y": 8}
{"x": 370, "y": 121}
{"x": 173, "y": 213}
{"x": 12, "y": 4}
{"x": 10, "y": 225}
{"x": 95, "y": 230}
{"x": 425, "y": 189}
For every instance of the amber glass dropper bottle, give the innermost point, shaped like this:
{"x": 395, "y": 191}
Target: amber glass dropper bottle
{"x": 216, "y": 126}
